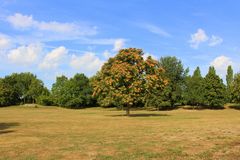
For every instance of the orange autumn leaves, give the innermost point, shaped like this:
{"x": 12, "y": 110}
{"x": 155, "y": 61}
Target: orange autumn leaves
{"x": 127, "y": 78}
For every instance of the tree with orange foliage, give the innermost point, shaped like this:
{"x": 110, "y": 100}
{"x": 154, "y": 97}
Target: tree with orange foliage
{"x": 127, "y": 79}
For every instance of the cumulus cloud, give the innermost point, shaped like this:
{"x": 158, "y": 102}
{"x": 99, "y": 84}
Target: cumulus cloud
{"x": 197, "y": 38}
{"x": 118, "y": 44}
{"x": 86, "y": 63}
{"x": 53, "y": 58}
{"x": 221, "y": 63}
{"x": 25, "y": 55}
{"x": 215, "y": 40}
{"x": 20, "y": 21}
{"x": 200, "y": 37}
{"x": 155, "y": 29}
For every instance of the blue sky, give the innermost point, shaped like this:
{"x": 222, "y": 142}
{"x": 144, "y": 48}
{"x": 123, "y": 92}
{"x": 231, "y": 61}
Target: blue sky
{"x": 51, "y": 38}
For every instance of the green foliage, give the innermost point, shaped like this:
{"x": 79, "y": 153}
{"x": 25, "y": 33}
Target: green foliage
{"x": 75, "y": 92}
{"x": 215, "y": 90}
{"x": 176, "y": 74}
{"x": 45, "y": 100}
{"x": 58, "y": 91}
{"x": 236, "y": 88}
{"x": 7, "y": 95}
{"x": 229, "y": 80}
{"x": 20, "y": 88}
{"x": 194, "y": 90}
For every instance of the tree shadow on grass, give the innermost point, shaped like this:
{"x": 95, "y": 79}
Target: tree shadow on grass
{"x": 139, "y": 115}
{"x": 5, "y": 126}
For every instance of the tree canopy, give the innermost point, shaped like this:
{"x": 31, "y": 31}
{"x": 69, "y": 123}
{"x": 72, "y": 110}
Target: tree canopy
{"x": 126, "y": 79}
{"x": 75, "y": 92}
{"x": 215, "y": 89}
{"x": 175, "y": 74}
{"x": 194, "y": 91}
{"x": 21, "y": 88}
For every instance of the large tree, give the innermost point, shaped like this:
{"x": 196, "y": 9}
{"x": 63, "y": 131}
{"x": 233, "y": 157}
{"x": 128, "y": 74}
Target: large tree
{"x": 176, "y": 74}
{"x": 194, "y": 91}
{"x": 20, "y": 88}
{"x": 126, "y": 78}
{"x": 214, "y": 89}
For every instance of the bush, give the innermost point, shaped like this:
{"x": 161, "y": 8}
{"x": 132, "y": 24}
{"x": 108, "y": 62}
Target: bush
{"x": 45, "y": 100}
{"x": 234, "y": 106}
{"x": 156, "y": 103}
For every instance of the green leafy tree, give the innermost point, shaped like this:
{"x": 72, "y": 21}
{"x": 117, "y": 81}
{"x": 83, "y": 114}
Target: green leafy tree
{"x": 125, "y": 78}
{"x": 20, "y": 88}
{"x": 59, "y": 91}
{"x": 229, "y": 80}
{"x": 194, "y": 90}
{"x": 75, "y": 92}
{"x": 36, "y": 89}
{"x": 80, "y": 92}
{"x": 176, "y": 74}
{"x": 7, "y": 95}
{"x": 214, "y": 90}
{"x": 236, "y": 88}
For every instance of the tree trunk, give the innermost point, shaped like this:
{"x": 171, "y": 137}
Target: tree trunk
{"x": 127, "y": 111}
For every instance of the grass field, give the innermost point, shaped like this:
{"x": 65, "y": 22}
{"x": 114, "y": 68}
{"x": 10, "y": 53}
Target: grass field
{"x": 104, "y": 134}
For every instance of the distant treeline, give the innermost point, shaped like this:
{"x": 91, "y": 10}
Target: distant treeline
{"x": 127, "y": 80}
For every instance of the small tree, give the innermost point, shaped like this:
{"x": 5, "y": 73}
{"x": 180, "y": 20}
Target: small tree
{"x": 58, "y": 91}
{"x": 194, "y": 91}
{"x": 236, "y": 88}
{"x": 229, "y": 80}
{"x": 214, "y": 89}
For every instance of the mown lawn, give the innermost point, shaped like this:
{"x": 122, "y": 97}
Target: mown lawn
{"x": 104, "y": 134}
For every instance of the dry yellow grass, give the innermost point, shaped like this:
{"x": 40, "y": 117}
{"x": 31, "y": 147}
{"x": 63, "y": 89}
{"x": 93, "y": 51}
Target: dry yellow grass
{"x": 95, "y": 133}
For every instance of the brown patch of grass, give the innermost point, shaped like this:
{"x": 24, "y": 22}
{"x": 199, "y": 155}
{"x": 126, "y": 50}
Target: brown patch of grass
{"x": 96, "y": 133}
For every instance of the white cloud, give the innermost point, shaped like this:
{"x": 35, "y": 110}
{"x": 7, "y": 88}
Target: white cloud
{"x": 20, "y": 21}
{"x": 221, "y": 63}
{"x": 155, "y": 29}
{"x": 146, "y": 55}
{"x": 25, "y": 55}
{"x": 200, "y": 37}
{"x": 215, "y": 40}
{"x": 197, "y": 38}
{"x": 118, "y": 44}
{"x": 86, "y": 63}
{"x": 53, "y": 58}
{"x": 4, "y": 41}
